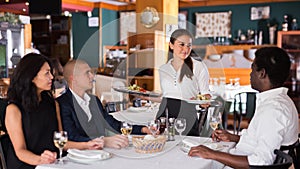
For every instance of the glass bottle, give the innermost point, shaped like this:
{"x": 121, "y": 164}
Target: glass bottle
{"x": 294, "y": 24}
{"x": 285, "y": 23}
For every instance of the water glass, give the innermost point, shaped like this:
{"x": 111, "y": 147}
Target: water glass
{"x": 180, "y": 125}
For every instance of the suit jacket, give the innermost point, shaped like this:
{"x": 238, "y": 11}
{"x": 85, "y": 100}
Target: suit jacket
{"x": 73, "y": 117}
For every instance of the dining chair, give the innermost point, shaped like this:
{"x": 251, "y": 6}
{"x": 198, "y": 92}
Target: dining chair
{"x": 294, "y": 151}
{"x": 3, "y": 149}
{"x": 282, "y": 161}
{"x": 3, "y": 104}
{"x": 244, "y": 107}
{"x": 4, "y": 139}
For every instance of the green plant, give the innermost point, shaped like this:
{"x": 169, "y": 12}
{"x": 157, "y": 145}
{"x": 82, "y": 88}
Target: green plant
{"x": 10, "y": 18}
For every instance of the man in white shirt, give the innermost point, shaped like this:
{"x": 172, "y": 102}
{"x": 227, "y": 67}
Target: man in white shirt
{"x": 275, "y": 122}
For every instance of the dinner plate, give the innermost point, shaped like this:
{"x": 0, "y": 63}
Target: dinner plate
{"x": 85, "y": 160}
{"x": 198, "y": 101}
{"x": 126, "y": 90}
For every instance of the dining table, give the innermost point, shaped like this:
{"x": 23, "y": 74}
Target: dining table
{"x": 172, "y": 156}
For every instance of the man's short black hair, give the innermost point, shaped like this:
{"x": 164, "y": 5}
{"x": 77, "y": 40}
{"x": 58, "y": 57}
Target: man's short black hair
{"x": 276, "y": 63}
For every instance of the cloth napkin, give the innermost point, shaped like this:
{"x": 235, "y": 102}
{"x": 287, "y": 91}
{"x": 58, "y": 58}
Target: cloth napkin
{"x": 188, "y": 143}
{"x": 91, "y": 154}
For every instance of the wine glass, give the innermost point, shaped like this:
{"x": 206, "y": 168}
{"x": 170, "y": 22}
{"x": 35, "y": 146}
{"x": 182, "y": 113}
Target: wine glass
{"x": 60, "y": 139}
{"x": 215, "y": 120}
{"x": 180, "y": 125}
{"x": 126, "y": 128}
{"x": 153, "y": 126}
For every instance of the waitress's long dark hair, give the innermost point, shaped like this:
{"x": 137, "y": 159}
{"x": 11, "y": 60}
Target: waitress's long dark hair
{"x": 21, "y": 89}
{"x": 187, "y": 67}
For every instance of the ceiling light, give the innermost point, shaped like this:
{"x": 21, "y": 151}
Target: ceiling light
{"x": 27, "y": 3}
{"x": 66, "y": 13}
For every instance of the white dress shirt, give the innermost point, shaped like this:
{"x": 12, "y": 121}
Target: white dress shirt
{"x": 84, "y": 103}
{"x": 274, "y": 123}
{"x": 187, "y": 88}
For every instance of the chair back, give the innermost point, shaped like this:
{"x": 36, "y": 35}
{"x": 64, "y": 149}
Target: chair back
{"x": 244, "y": 106}
{"x": 294, "y": 152}
{"x": 282, "y": 161}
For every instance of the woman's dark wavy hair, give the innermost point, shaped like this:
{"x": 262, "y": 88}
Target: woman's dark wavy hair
{"x": 21, "y": 89}
{"x": 276, "y": 63}
{"x": 187, "y": 67}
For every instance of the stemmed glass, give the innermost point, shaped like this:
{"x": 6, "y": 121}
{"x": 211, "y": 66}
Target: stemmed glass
{"x": 215, "y": 120}
{"x": 153, "y": 126}
{"x": 126, "y": 130}
{"x": 180, "y": 125}
{"x": 60, "y": 139}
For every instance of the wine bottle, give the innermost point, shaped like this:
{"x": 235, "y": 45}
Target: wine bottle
{"x": 294, "y": 24}
{"x": 285, "y": 23}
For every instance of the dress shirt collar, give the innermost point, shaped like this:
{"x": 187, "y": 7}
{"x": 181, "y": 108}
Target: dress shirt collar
{"x": 85, "y": 100}
{"x": 271, "y": 93}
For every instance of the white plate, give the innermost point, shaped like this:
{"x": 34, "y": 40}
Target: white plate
{"x": 198, "y": 101}
{"x": 137, "y": 109}
{"x": 85, "y": 160}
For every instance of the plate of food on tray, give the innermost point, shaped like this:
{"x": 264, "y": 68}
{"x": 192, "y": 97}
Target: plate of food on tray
{"x": 199, "y": 99}
{"x": 135, "y": 89}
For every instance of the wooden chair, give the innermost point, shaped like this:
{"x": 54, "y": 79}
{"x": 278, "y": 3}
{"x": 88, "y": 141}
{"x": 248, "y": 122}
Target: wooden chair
{"x": 294, "y": 152}
{"x": 282, "y": 161}
{"x": 244, "y": 106}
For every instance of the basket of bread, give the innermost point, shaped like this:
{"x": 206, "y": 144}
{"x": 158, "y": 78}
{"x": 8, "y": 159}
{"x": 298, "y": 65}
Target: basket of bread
{"x": 148, "y": 143}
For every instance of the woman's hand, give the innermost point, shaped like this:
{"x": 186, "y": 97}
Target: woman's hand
{"x": 48, "y": 157}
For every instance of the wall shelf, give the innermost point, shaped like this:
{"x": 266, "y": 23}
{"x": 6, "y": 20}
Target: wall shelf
{"x": 290, "y": 41}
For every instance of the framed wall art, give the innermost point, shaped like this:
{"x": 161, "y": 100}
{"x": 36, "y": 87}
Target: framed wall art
{"x": 213, "y": 24}
{"x": 127, "y": 24}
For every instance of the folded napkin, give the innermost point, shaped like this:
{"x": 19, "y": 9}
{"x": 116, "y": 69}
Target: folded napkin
{"x": 91, "y": 154}
{"x": 190, "y": 143}
{"x": 214, "y": 146}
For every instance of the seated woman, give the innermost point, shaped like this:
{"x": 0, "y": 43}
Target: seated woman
{"x": 32, "y": 115}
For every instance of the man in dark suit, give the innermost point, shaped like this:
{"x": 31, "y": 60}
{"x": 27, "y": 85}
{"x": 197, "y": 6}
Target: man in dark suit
{"x": 83, "y": 115}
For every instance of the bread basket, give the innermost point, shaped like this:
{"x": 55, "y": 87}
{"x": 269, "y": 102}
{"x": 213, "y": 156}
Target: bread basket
{"x": 145, "y": 144}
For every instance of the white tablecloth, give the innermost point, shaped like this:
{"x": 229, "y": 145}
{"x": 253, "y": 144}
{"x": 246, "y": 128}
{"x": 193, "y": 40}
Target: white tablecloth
{"x": 227, "y": 92}
{"x": 170, "y": 158}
